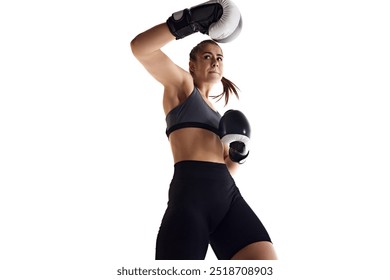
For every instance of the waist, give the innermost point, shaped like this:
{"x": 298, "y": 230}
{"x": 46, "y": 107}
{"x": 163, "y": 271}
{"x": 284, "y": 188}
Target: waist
{"x": 195, "y": 170}
{"x": 196, "y": 144}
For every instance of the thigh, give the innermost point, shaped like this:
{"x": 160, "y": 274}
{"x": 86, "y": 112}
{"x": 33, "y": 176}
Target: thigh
{"x": 183, "y": 235}
{"x": 262, "y": 250}
{"x": 239, "y": 228}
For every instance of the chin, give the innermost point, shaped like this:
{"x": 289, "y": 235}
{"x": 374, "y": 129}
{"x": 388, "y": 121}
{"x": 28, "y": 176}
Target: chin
{"x": 216, "y": 77}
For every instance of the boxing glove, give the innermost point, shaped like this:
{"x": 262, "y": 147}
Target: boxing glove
{"x": 220, "y": 19}
{"x": 235, "y": 130}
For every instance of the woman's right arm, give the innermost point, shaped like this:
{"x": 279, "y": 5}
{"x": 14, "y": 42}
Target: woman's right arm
{"x": 146, "y": 47}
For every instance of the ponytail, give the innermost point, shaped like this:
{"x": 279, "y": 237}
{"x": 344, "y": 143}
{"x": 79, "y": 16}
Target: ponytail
{"x": 228, "y": 88}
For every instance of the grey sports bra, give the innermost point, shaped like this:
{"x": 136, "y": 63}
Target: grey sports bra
{"x": 193, "y": 112}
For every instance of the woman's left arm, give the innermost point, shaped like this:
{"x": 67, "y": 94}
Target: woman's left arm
{"x": 231, "y": 165}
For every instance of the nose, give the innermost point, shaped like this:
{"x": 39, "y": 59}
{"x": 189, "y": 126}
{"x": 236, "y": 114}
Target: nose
{"x": 215, "y": 63}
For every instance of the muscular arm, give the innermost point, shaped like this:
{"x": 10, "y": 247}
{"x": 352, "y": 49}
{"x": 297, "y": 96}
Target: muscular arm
{"x": 151, "y": 40}
{"x": 146, "y": 47}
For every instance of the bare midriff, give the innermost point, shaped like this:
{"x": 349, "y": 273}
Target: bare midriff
{"x": 196, "y": 144}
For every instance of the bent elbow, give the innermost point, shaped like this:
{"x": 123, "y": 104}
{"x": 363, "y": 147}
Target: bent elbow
{"x": 135, "y": 47}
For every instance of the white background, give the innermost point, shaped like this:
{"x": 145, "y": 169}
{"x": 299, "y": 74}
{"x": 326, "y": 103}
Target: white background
{"x": 85, "y": 164}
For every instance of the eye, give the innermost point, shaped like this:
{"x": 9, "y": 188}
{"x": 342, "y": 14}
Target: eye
{"x": 220, "y": 58}
{"x": 207, "y": 56}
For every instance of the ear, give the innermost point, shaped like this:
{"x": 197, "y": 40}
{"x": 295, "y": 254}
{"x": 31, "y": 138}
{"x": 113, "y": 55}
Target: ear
{"x": 191, "y": 66}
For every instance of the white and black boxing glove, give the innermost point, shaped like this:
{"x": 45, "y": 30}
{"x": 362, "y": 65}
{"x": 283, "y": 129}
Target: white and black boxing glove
{"x": 235, "y": 130}
{"x": 220, "y": 19}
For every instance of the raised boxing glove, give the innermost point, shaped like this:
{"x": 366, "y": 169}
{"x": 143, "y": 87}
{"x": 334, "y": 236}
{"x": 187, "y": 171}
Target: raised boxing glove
{"x": 234, "y": 130}
{"x": 220, "y": 19}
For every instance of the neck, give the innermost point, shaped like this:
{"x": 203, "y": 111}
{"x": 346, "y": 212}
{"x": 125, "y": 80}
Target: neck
{"x": 204, "y": 89}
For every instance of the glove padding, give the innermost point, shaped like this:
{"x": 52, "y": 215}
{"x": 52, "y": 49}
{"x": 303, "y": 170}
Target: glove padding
{"x": 234, "y": 130}
{"x": 220, "y": 19}
{"x": 229, "y": 26}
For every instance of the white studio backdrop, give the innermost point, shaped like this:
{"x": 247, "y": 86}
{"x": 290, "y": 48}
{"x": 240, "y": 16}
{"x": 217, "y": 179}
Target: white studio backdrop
{"x": 85, "y": 165}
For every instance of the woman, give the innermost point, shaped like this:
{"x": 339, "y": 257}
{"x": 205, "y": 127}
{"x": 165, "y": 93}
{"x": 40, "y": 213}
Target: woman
{"x": 205, "y": 206}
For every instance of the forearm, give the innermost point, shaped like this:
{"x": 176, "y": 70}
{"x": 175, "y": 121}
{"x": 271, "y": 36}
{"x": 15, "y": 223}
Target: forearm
{"x": 232, "y": 166}
{"x": 151, "y": 40}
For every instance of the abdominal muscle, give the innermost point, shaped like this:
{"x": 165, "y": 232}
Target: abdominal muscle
{"x": 196, "y": 144}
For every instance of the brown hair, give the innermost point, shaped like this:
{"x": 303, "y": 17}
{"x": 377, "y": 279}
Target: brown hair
{"x": 228, "y": 86}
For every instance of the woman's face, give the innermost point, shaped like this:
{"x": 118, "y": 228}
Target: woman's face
{"x": 208, "y": 66}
